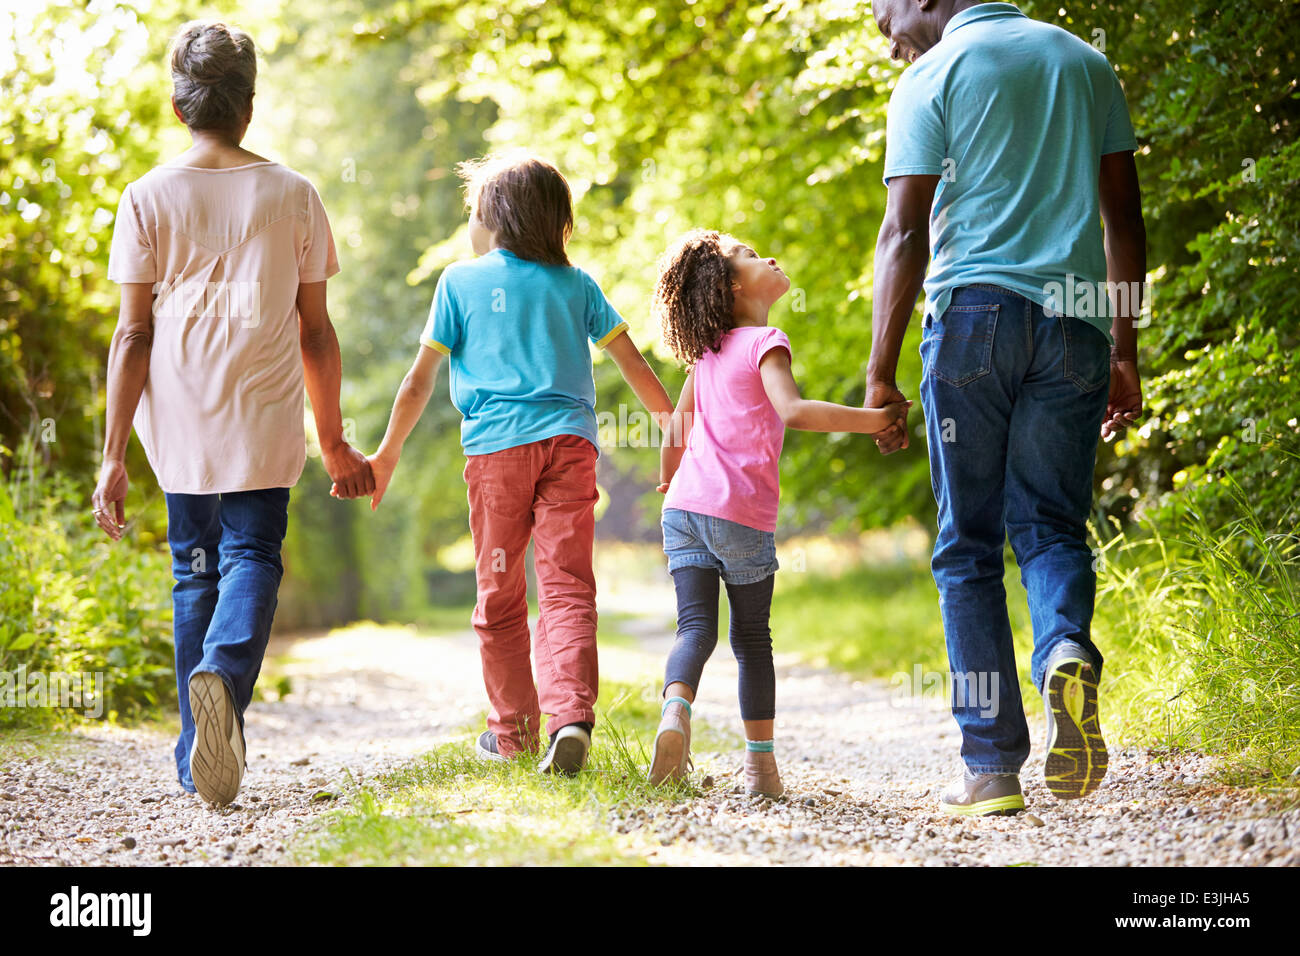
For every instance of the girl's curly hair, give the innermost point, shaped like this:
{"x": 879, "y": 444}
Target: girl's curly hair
{"x": 693, "y": 299}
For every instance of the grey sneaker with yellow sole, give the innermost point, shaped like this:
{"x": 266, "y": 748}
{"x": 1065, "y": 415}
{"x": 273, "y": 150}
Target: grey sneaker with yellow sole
{"x": 983, "y": 794}
{"x": 1076, "y": 753}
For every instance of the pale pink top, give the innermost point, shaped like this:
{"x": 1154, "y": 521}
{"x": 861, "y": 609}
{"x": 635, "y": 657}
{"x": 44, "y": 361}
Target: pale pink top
{"x": 731, "y": 467}
{"x": 226, "y": 250}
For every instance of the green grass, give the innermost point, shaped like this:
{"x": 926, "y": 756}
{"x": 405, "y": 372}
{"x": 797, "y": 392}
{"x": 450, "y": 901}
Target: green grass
{"x": 880, "y": 621}
{"x": 450, "y": 808}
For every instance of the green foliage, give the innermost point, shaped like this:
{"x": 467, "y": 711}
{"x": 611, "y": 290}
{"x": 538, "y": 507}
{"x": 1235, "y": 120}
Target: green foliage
{"x": 72, "y": 603}
{"x": 77, "y": 91}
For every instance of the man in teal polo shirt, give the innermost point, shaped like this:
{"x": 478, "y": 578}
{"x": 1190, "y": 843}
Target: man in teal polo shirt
{"x": 1008, "y": 146}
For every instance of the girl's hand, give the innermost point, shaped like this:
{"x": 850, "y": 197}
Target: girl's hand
{"x": 663, "y": 487}
{"x": 888, "y": 416}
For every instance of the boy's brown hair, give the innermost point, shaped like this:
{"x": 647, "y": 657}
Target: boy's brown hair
{"x": 525, "y": 201}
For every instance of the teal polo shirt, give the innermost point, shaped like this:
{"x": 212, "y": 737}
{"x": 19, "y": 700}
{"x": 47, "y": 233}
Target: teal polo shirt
{"x": 1014, "y": 116}
{"x": 516, "y": 333}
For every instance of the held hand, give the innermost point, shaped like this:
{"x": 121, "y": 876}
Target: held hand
{"x": 1125, "y": 403}
{"x": 880, "y": 395}
{"x": 663, "y": 487}
{"x": 382, "y": 468}
{"x": 108, "y": 503}
{"x": 350, "y": 470}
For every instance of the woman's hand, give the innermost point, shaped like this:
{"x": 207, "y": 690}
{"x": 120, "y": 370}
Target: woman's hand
{"x": 108, "y": 503}
{"x": 349, "y": 470}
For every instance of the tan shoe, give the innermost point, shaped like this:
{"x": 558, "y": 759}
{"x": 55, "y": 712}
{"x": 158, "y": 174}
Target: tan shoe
{"x": 762, "y": 779}
{"x": 672, "y": 742}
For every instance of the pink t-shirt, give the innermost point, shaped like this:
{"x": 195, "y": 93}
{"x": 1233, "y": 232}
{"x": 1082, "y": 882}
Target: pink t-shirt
{"x": 226, "y": 250}
{"x": 731, "y": 467}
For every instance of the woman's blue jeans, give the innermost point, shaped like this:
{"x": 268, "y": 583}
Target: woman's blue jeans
{"x": 226, "y": 562}
{"x": 1014, "y": 401}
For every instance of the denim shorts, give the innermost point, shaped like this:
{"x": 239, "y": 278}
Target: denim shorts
{"x": 741, "y": 554}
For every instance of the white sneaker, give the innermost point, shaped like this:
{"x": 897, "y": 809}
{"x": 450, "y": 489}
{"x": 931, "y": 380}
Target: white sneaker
{"x": 217, "y": 760}
{"x": 567, "y": 753}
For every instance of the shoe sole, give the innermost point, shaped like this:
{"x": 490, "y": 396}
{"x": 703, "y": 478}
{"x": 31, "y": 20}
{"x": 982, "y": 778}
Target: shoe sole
{"x": 567, "y": 757}
{"x": 1076, "y": 754}
{"x": 999, "y": 806}
{"x": 669, "y": 755}
{"x": 215, "y": 764}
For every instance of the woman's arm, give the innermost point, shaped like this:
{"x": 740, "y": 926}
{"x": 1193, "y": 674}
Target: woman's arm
{"x": 128, "y": 370}
{"x": 412, "y": 397}
{"x": 679, "y": 430}
{"x": 812, "y": 416}
{"x": 323, "y": 371}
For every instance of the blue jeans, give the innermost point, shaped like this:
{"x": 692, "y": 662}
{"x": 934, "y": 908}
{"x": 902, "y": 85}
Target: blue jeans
{"x": 226, "y": 562}
{"x": 1013, "y": 406}
{"x": 702, "y": 549}
{"x": 739, "y": 553}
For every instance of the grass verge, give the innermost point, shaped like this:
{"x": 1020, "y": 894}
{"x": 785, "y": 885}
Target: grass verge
{"x": 450, "y": 808}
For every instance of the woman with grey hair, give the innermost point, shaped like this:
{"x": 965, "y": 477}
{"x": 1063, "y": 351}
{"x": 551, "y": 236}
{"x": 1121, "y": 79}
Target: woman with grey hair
{"x": 222, "y": 258}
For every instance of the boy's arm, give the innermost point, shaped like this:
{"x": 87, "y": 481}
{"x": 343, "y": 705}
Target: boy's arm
{"x": 812, "y": 416}
{"x": 679, "y": 429}
{"x": 323, "y": 370}
{"x": 412, "y": 397}
{"x": 645, "y": 383}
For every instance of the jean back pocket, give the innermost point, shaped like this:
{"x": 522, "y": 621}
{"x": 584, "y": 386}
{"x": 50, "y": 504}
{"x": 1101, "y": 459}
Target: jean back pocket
{"x": 957, "y": 347}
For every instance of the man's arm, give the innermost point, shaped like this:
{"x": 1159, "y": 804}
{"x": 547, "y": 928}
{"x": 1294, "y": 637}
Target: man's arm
{"x": 1126, "y": 262}
{"x": 902, "y": 254}
{"x": 128, "y": 370}
{"x": 323, "y": 372}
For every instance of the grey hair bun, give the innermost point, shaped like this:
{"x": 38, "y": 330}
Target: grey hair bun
{"x": 214, "y": 70}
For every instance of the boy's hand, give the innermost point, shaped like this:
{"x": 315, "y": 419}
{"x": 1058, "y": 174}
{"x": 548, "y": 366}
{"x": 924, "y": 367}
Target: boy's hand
{"x": 383, "y": 468}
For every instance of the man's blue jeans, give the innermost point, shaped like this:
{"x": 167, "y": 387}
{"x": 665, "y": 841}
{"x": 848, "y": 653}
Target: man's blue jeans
{"x": 1013, "y": 403}
{"x": 226, "y": 562}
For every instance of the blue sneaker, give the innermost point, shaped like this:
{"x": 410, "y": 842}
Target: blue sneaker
{"x": 486, "y": 748}
{"x": 1076, "y": 753}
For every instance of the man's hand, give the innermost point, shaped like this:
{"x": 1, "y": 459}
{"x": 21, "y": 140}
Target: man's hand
{"x": 350, "y": 471}
{"x": 888, "y": 440}
{"x": 1125, "y": 403}
{"x": 108, "y": 503}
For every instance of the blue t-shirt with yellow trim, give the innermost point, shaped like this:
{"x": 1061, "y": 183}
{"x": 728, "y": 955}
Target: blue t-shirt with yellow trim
{"x": 516, "y": 334}
{"x": 1013, "y": 116}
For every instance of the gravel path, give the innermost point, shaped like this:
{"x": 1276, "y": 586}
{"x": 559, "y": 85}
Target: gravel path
{"x": 862, "y": 771}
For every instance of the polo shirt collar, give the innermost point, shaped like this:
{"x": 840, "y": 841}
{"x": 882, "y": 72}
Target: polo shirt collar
{"x": 981, "y": 11}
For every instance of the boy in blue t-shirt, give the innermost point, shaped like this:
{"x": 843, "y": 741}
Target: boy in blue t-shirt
{"x": 515, "y": 324}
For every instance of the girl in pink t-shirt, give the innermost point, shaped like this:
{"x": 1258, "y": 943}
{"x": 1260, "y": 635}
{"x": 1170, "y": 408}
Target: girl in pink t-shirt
{"x": 720, "y": 476}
